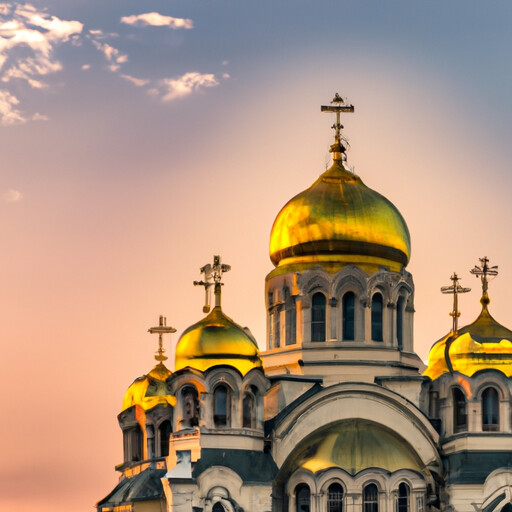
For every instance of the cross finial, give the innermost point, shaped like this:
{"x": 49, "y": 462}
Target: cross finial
{"x": 161, "y": 329}
{"x": 212, "y": 276}
{"x": 338, "y": 105}
{"x": 484, "y": 272}
{"x": 455, "y": 288}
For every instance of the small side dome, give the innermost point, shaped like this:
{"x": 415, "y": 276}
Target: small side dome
{"x": 483, "y": 345}
{"x": 217, "y": 340}
{"x": 340, "y": 219}
{"x": 150, "y": 390}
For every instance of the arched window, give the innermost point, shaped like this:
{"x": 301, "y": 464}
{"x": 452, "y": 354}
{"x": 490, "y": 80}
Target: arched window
{"x": 302, "y": 498}
{"x": 400, "y": 322}
{"x": 460, "y": 417}
{"x": 290, "y": 318}
{"x": 218, "y": 507}
{"x": 348, "y": 311}
{"x": 377, "y": 317}
{"x": 402, "y": 503}
{"x": 249, "y": 411}
{"x": 335, "y": 498}
{"x": 190, "y": 406}
{"x": 165, "y": 432}
{"x": 370, "y": 498}
{"x": 318, "y": 317}
{"x": 132, "y": 441}
{"x": 277, "y": 335}
{"x": 490, "y": 410}
{"x": 221, "y": 406}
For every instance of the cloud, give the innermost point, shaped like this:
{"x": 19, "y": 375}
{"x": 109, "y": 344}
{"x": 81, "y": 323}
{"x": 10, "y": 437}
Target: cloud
{"x": 157, "y": 20}
{"x": 139, "y": 82}
{"x": 12, "y": 196}
{"x": 186, "y": 84}
{"x": 86, "y": 66}
{"x": 112, "y": 55}
{"x": 40, "y": 117}
{"x": 9, "y": 114}
{"x": 27, "y": 40}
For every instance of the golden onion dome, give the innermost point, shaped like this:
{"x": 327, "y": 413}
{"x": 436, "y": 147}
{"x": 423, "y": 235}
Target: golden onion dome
{"x": 483, "y": 345}
{"x": 217, "y": 340}
{"x": 150, "y": 390}
{"x": 354, "y": 446}
{"x": 339, "y": 219}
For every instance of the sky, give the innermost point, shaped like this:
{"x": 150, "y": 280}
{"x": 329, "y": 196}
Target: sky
{"x": 138, "y": 139}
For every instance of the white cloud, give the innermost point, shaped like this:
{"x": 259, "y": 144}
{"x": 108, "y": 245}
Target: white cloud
{"x": 139, "y": 82}
{"x": 40, "y": 117}
{"x": 9, "y": 114}
{"x": 86, "y": 66}
{"x": 186, "y": 84}
{"x": 23, "y": 27}
{"x": 156, "y": 19}
{"x": 113, "y": 56}
{"x": 12, "y": 196}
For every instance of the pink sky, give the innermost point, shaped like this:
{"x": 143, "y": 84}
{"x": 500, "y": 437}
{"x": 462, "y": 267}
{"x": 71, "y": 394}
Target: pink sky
{"x": 111, "y": 205}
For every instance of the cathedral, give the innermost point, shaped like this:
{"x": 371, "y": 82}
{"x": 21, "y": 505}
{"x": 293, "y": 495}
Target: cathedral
{"x": 338, "y": 414}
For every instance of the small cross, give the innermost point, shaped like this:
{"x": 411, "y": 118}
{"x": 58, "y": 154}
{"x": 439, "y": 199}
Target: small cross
{"x": 212, "y": 276}
{"x": 455, "y": 289}
{"x": 337, "y": 105}
{"x": 161, "y": 329}
{"x": 483, "y": 272}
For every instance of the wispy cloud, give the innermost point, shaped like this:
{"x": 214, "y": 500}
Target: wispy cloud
{"x": 40, "y": 117}
{"x": 12, "y": 196}
{"x": 139, "y": 82}
{"x": 186, "y": 84}
{"x": 113, "y": 56}
{"x": 9, "y": 113}
{"x": 156, "y": 19}
{"x": 24, "y": 27}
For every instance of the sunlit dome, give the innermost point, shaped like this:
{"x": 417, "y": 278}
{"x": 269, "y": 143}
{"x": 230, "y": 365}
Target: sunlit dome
{"x": 339, "y": 218}
{"x": 150, "y": 390}
{"x": 353, "y": 446}
{"x": 482, "y": 345}
{"x": 217, "y": 340}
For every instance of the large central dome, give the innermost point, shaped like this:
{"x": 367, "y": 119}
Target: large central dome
{"x": 340, "y": 219}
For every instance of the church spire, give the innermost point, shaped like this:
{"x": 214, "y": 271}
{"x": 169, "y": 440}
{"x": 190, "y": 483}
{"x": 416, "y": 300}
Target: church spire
{"x": 454, "y": 289}
{"x": 337, "y": 106}
{"x": 484, "y": 272}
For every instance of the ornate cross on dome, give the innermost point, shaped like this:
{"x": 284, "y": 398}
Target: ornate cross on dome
{"x": 337, "y": 106}
{"x": 484, "y": 272}
{"x": 161, "y": 329}
{"x": 455, "y": 288}
{"x": 212, "y": 276}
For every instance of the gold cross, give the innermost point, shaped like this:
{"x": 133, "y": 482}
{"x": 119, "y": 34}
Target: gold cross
{"x": 484, "y": 272}
{"x": 212, "y": 276}
{"x": 337, "y": 106}
{"x": 455, "y": 288}
{"x": 161, "y": 329}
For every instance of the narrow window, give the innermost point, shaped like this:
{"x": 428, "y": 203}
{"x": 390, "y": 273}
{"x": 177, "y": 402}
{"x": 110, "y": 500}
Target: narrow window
{"x": 460, "y": 417}
{"x": 218, "y": 508}
{"x": 490, "y": 410}
{"x": 348, "y": 312}
{"x": 133, "y": 439}
{"x": 190, "y": 407}
{"x": 165, "y": 432}
{"x": 248, "y": 411}
{"x": 400, "y": 322}
{"x": 377, "y": 317}
{"x": 370, "y": 498}
{"x": 335, "y": 498}
{"x": 318, "y": 317}
{"x": 402, "y": 504}
{"x": 271, "y": 331}
{"x": 221, "y": 406}
{"x": 290, "y": 318}
{"x": 302, "y": 498}
{"x": 277, "y": 337}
